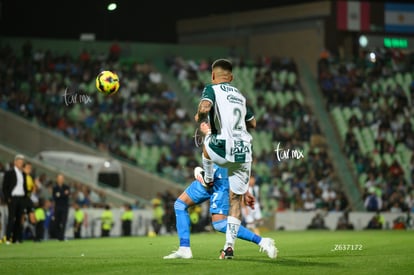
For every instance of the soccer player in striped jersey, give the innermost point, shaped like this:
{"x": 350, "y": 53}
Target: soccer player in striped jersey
{"x": 227, "y": 142}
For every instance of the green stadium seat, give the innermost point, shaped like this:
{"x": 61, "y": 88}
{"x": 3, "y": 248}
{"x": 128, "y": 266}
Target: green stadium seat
{"x": 377, "y": 158}
{"x": 362, "y": 179}
{"x": 391, "y": 83}
{"x": 182, "y": 160}
{"x": 292, "y": 78}
{"x": 357, "y": 112}
{"x": 368, "y": 138}
{"x": 398, "y": 78}
{"x": 360, "y": 140}
{"x": 382, "y": 85}
{"x": 268, "y": 97}
{"x": 185, "y": 84}
{"x": 375, "y": 87}
{"x": 347, "y": 113}
{"x": 280, "y": 99}
{"x": 299, "y": 96}
{"x": 408, "y": 78}
{"x": 283, "y": 76}
{"x": 289, "y": 96}
{"x": 387, "y": 158}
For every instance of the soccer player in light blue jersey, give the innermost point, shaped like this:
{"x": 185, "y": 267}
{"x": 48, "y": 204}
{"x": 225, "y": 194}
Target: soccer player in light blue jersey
{"x": 218, "y": 195}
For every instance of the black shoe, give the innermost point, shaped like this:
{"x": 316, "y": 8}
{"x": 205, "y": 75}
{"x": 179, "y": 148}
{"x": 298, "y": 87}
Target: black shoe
{"x": 226, "y": 254}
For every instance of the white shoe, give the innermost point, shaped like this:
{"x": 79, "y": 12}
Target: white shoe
{"x": 268, "y": 245}
{"x": 180, "y": 254}
{"x": 199, "y": 175}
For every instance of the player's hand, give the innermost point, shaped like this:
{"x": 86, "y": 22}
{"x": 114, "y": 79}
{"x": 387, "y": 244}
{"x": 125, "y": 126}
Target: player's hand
{"x": 249, "y": 199}
{"x": 205, "y": 128}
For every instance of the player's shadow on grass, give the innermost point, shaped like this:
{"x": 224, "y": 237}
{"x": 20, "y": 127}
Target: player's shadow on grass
{"x": 291, "y": 262}
{"x": 297, "y": 262}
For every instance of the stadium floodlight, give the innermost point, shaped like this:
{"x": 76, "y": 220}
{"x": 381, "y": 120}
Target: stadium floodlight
{"x": 112, "y": 7}
{"x": 372, "y": 57}
{"x": 363, "y": 41}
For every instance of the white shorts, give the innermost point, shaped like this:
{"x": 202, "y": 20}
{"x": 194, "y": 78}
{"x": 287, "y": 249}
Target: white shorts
{"x": 239, "y": 172}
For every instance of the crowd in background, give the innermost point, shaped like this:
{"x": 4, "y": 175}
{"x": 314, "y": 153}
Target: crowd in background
{"x": 145, "y": 113}
{"x": 378, "y": 87}
{"x": 146, "y": 124}
{"x": 302, "y": 184}
{"x": 34, "y": 87}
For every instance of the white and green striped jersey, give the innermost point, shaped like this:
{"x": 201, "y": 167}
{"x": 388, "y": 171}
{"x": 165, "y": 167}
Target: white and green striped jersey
{"x": 228, "y": 117}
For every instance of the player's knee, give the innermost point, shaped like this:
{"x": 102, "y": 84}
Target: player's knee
{"x": 220, "y": 226}
{"x": 179, "y": 205}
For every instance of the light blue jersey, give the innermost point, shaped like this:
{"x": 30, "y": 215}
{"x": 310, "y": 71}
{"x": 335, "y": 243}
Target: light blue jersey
{"x": 218, "y": 194}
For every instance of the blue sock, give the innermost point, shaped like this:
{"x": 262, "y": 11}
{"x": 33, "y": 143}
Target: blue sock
{"x": 182, "y": 222}
{"x": 244, "y": 233}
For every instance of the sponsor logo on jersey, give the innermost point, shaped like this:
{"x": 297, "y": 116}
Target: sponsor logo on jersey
{"x": 239, "y": 148}
{"x": 228, "y": 88}
{"x": 234, "y": 99}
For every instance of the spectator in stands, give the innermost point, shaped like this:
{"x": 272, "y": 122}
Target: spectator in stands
{"x": 396, "y": 170}
{"x": 371, "y": 181}
{"x": 61, "y": 195}
{"x": 114, "y": 52}
{"x": 308, "y": 200}
{"x": 76, "y": 125}
{"x": 373, "y": 202}
{"x": 329, "y": 197}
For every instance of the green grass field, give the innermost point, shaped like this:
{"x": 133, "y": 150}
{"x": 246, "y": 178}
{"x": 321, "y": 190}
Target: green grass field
{"x": 304, "y": 252}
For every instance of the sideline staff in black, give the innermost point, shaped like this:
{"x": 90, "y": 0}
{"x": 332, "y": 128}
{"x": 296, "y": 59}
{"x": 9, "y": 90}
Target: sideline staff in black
{"x": 61, "y": 193}
{"x": 15, "y": 190}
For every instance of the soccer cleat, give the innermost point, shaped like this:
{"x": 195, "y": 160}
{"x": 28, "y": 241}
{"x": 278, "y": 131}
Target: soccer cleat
{"x": 268, "y": 245}
{"x": 199, "y": 175}
{"x": 226, "y": 254}
{"x": 180, "y": 254}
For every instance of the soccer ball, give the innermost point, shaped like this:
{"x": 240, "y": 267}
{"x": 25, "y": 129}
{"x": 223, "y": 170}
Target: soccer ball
{"x": 107, "y": 82}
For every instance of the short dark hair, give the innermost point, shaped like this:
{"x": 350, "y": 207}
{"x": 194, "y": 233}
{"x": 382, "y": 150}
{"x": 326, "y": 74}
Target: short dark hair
{"x": 225, "y": 64}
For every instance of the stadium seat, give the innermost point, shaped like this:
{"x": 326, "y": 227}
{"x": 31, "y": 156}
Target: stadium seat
{"x": 398, "y": 78}
{"x": 408, "y": 79}
{"x": 387, "y": 158}
{"x": 289, "y": 96}
{"x": 292, "y": 78}
{"x": 362, "y": 179}
{"x": 283, "y": 76}
{"x": 299, "y": 97}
